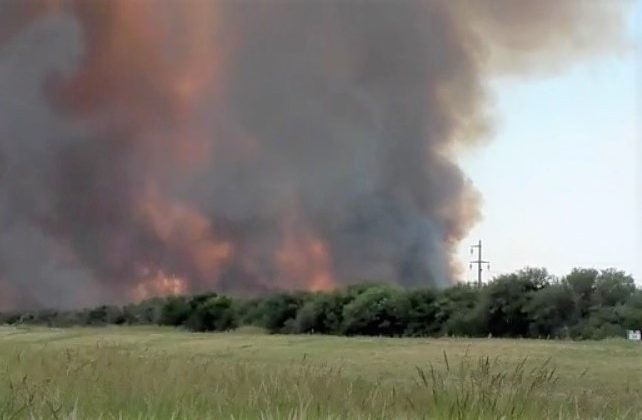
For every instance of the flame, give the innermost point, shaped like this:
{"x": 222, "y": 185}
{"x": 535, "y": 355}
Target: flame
{"x": 155, "y": 92}
{"x": 158, "y": 283}
{"x": 215, "y": 144}
{"x": 186, "y": 232}
{"x": 303, "y": 259}
{"x": 128, "y": 69}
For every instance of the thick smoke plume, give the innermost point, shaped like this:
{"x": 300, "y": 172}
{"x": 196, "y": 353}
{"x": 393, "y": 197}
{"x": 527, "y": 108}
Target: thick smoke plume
{"x": 152, "y": 147}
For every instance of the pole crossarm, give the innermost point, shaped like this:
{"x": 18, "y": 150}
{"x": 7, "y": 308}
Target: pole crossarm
{"x": 478, "y": 261}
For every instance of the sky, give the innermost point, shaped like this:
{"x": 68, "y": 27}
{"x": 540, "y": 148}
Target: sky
{"x": 561, "y": 176}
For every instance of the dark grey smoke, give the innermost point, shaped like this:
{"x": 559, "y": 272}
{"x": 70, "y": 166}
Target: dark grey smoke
{"x": 316, "y": 148}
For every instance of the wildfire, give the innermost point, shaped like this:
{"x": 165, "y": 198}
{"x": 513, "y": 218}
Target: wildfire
{"x": 187, "y": 233}
{"x": 129, "y": 69}
{"x": 243, "y": 147}
{"x": 158, "y": 283}
{"x": 303, "y": 259}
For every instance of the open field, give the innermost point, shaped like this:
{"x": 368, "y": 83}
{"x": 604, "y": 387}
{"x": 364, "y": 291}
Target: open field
{"x": 132, "y": 372}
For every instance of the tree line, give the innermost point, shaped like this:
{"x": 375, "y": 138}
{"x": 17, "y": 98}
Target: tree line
{"x": 585, "y": 304}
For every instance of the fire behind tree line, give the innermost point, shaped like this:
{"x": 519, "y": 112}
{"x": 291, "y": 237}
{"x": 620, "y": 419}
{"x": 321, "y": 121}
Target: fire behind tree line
{"x": 585, "y": 304}
{"x": 154, "y": 147}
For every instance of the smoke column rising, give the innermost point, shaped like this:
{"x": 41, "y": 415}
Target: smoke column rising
{"x": 154, "y": 147}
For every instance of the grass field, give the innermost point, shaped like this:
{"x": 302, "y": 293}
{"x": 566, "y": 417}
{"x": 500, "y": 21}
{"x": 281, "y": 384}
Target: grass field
{"x": 127, "y": 372}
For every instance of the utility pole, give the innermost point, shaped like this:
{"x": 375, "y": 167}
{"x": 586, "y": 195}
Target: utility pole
{"x": 479, "y": 262}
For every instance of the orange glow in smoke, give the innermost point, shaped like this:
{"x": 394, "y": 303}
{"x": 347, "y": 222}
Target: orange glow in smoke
{"x": 187, "y": 232}
{"x": 127, "y": 67}
{"x": 128, "y": 70}
{"x": 158, "y": 284}
{"x": 303, "y": 260}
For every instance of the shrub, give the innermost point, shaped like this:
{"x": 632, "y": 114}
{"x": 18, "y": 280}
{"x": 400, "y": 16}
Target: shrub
{"x": 422, "y": 313}
{"x": 321, "y": 313}
{"x": 378, "y": 310}
{"x": 585, "y": 304}
{"x": 175, "y": 311}
{"x": 215, "y": 313}
{"x": 278, "y": 312}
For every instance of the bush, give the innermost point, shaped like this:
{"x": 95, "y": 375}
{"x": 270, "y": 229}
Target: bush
{"x": 9, "y": 318}
{"x": 278, "y": 312}
{"x": 630, "y": 313}
{"x": 550, "y": 310}
{"x": 175, "y": 311}
{"x": 105, "y": 315}
{"x": 146, "y": 312}
{"x": 422, "y": 313}
{"x": 378, "y": 310}
{"x": 321, "y": 313}
{"x": 581, "y": 282}
{"x": 613, "y": 287}
{"x": 504, "y": 303}
{"x": 585, "y": 304}
{"x": 214, "y": 313}
{"x": 456, "y": 311}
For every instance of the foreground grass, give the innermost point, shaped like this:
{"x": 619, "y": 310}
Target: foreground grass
{"x": 168, "y": 374}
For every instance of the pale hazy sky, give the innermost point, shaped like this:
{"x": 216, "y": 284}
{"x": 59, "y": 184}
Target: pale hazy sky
{"x": 561, "y": 179}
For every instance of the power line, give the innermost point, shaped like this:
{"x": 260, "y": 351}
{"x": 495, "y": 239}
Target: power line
{"x": 479, "y": 262}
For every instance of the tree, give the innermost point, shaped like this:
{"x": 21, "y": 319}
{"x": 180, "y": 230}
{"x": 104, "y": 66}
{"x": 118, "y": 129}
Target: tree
{"x": 550, "y": 311}
{"x": 602, "y": 322}
{"x": 321, "y": 313}
{"x": 9, "y": 318}
{"x": 248, "y": 311}
{"x": 504, "y": 301}
{"x": 379, "y": 310}
{"x": 175, "y": 311}
{"x": 613, "y": 287}
{"x": 630, "y": 313}
{"x": 455, "y": 311}
{"x": 585, "y": 304}
{"x": 104, "y": 315}
{"x": 581, "y": 282}
{"x": 422, "y": 313}
{"x": 146, "y": 312}
{"x": 212, "y": 314}
{"x": 277, "y": 312}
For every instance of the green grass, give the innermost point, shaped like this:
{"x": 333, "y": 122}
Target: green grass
{"x": 164, "y": 373}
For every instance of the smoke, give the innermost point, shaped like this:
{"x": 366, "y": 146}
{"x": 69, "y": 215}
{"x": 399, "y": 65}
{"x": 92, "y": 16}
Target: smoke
{"x": 154, "y": 147}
